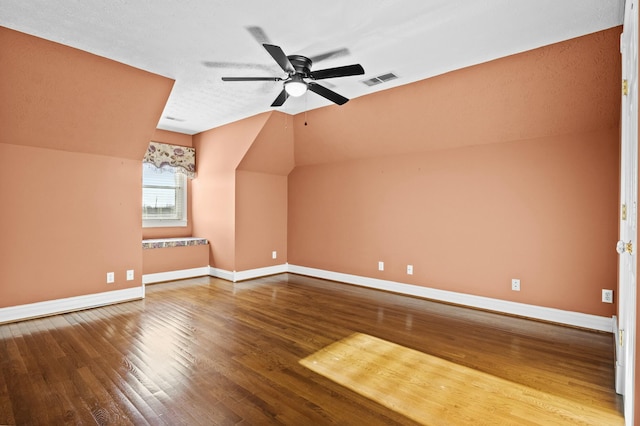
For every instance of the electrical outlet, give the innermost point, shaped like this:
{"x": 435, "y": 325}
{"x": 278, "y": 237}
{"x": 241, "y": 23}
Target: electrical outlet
{"x": 380, "y": 266}
{"x": 607, "y": 296}
{"x": 409, "y": 269}
{"x": 515, "y": 284}
{"x": 110, "y": 277}
{"x": 274, "y": 254}
{"x": 130, "y": 275}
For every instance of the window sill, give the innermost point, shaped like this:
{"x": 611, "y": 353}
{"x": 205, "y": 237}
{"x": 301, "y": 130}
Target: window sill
{"x": 155, "y": 223}
{"x": 173, "y": 242}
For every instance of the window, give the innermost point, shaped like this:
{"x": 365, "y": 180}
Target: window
{"x": 164, "y": 197}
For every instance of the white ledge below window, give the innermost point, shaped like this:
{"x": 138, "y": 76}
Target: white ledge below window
{"x": 173, "y": 242}
{"x": 162, "y": 223}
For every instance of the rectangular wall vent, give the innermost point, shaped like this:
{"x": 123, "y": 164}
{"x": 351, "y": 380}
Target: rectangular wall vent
{"x": 380, "y": 79}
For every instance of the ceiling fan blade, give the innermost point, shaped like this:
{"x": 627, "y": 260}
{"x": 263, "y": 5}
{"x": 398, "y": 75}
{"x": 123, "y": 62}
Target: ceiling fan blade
{"x": 338, "y": 72}
{"x": 243, "y": 65}
{"x": 333, "y": 54}
{"x": 258, "y": 34}
{"x": 280, "y": 99}
{"x": 251, "y": 79}
{"x": 326, "y": 93}
{"x": 279, "y": 56}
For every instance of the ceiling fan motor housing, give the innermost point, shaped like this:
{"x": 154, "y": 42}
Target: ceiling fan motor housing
{"x": 301, "y": 64}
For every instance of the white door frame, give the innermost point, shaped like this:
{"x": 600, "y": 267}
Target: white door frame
{"x": 627, "y": 247}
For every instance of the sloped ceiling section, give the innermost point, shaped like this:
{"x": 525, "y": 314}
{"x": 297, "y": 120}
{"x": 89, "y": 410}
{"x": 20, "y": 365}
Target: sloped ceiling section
{"x": 197, "y": 42}
{"x": 564, "y": 88}
{"x": 228, "y": 144}
{"x": 272, "y": 150}
{"x": 58, "y": 97}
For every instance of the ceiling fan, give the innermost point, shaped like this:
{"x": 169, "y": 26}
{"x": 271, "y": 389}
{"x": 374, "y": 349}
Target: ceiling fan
{"x": 298, "y": 69}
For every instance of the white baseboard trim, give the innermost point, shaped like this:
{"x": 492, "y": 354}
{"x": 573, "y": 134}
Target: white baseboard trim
{"x": 52, "y": 307}
{"x": 249, "y": 274}
{"x": 69, "y": 304}
{"x": 221, "y": 273}
{"x": 175, "y": 275}
{"x": 260, "y": 272}
{"x": 575, "y": 319}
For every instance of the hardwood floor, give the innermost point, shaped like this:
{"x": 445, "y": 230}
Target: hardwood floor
{"x": 206, "y": 351}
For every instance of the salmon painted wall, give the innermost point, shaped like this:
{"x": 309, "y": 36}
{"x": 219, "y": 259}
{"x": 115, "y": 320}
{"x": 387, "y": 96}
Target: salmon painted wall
{"x": 272, "y": 149}
{"x": 565, "y": 88}
{"x": 503, "y": 170}
{"x": 181, "y": 139}
{"x": 469, "y": 219}
{"x": 66, "y": 222}
{"x": 173, "y": 138}
{"x": 218, "y": 153}
{"x": 261, "y": 219}
{"x": 261, "y": 196}
{"x": 169, "y": 259}
{"x": 74, "y": 129}
{"x": 57, "y": 97}
{"x": 240, "y": 195}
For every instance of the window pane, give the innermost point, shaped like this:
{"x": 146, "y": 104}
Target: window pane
{"x": 159, "y": 202}
{"x": 152, "y": 176}
{"x": 163, "y": 195}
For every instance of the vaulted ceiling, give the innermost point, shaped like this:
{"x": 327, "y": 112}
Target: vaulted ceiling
{"x": 199, "y": 41}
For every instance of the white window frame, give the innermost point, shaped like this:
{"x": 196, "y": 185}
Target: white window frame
{"x": 181, "y": 219}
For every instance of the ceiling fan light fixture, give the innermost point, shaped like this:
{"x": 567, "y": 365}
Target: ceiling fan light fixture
{"x": 296, "y": 86}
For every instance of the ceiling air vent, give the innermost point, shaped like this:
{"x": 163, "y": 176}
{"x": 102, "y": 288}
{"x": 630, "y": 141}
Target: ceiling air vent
{"x": 380, "y": 79}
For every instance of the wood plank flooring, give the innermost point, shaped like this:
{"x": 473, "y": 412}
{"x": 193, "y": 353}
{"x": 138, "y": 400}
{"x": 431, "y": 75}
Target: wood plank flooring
{"x": 209, "y": 352}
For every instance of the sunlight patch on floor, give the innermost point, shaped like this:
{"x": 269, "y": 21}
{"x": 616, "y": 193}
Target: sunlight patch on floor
{"x": 433, "y": 391}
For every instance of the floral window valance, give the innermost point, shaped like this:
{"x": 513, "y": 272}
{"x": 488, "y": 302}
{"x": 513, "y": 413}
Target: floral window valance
{"x": 163, "y": 155}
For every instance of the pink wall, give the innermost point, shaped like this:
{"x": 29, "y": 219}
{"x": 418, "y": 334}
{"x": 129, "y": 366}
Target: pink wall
{"x": 62, "y": 98}
{"x": 240, "y": 201}
{"x": 173, "y": 138}
{"x": 271, "y": 151}
{"x": 261, "y": 196}
{"x": 70, "y": 218}
{"x": 564, "y": 88}
{"x": 168, "y": 259}
{"x": 261, "y": 219}
{"x": 503, "y": 170}
{"x": 470, "y": 219}
{"x": 218, "y": 153}
{"x": 74, "y": 129}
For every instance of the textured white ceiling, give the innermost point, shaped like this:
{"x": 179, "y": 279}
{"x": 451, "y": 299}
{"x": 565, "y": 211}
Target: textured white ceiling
{"x": 196, "y": 42}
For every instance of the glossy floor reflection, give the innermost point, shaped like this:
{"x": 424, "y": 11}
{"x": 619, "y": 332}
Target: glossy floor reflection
{"x": 207, "y": 352}
{"x": 431, "y": 390}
